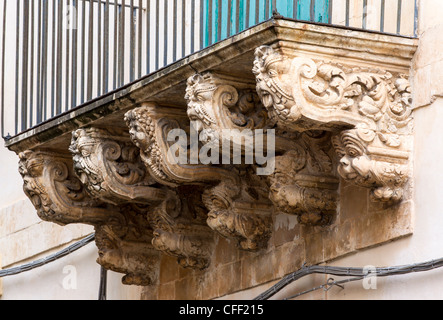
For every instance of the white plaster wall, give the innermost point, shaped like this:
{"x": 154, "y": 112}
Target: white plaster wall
{"x": 74, "y": 277}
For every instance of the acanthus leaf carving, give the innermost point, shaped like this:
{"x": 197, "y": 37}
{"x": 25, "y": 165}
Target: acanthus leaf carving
{"x": 370, "y": 105}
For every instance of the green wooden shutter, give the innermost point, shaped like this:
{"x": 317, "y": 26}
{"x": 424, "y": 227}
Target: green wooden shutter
{"x": 216, "y": 24}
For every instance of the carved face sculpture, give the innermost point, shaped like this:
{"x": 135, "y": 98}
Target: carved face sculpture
{"x": 199, "y": 92}
{"x": 385, "y": 178}
{"x": 162, "y": 241}
{"x": 31, "y": 168}
{"x": 222, "y": 220}
{"x": 273, "y": 81}
{"x": 82, "y": 147}
{"x": 141, "y": 128}
{"x": 354, "y": 163}
{"x": 250, "y": 231}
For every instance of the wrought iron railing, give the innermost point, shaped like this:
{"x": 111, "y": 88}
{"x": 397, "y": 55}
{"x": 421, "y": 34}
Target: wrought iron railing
{"x": 59, "y": 54}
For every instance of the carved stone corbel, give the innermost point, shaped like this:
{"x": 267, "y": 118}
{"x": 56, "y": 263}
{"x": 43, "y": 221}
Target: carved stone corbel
{"x": 57, "y": 194}
{"x": 308, "y": 191}
{"x": 384, "y": 173}
{"x": 128, "y": 249}
{"x": 149, "y": 129}
{"x": 123, "y": 235}
{"x": 304, "y": 182}
{"x": 218, "y": 103}
{"x": 225, "y": 111}
{"x": 241, "y": 213}
{"x": 180, "y": 230}
{"x": 369, "y": 109}
{"x": 109, "y": 166}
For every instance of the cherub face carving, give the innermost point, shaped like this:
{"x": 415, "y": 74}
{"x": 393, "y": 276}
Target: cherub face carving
{"x": 141, "y": 128}
{"x": 386, "y": 179}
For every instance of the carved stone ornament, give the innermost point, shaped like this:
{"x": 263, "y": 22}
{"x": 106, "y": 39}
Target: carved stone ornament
{"x": 217, "y": 103}
{"x": 369, "y": 109}
{"x": 304, "y": 181}
{"x": 240, "y": 213}
{"x": 180, "y": 230}
{"x": 57, "y": 194}
{"x": 109, "y": 165}
{"x": 127, "y": 248}
{"x": 149, "y": 129}
{"x": 167, "y": 184}
{"x": 123, "y": 234}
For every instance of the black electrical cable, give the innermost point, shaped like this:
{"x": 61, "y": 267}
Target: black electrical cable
{"x": 359, "y": 273}
{"x": 51, "y": 258}
{"x": 56, "y": 256}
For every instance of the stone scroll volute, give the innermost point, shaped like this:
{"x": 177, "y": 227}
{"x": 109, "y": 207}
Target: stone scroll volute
{"x": 367, "y": 110}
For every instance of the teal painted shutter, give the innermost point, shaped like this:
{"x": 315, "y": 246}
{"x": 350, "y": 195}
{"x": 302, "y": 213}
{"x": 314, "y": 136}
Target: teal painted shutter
{"x": 216, "y": 24}
{"x": 321, "y": 11}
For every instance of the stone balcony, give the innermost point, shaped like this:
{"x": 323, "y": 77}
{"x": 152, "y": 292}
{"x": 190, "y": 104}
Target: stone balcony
{"x": 336, "y": 100}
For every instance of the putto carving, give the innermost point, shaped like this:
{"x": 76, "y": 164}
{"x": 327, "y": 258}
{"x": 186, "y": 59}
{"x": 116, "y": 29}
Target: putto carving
{"x": 385, "y": 178}
{"x": 305, "y": 95}
{"x": 367, "y": 106}
{"x": 109, "y": 165}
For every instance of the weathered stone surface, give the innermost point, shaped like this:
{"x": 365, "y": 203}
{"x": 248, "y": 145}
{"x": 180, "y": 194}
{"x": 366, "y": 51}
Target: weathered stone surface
{"x": 339, "y": 107}
{"x": 302, "y": 94}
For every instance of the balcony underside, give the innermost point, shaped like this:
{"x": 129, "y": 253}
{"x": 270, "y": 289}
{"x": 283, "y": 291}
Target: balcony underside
{"x": 233, "y": 56}
{"x": 339, "y": 103}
